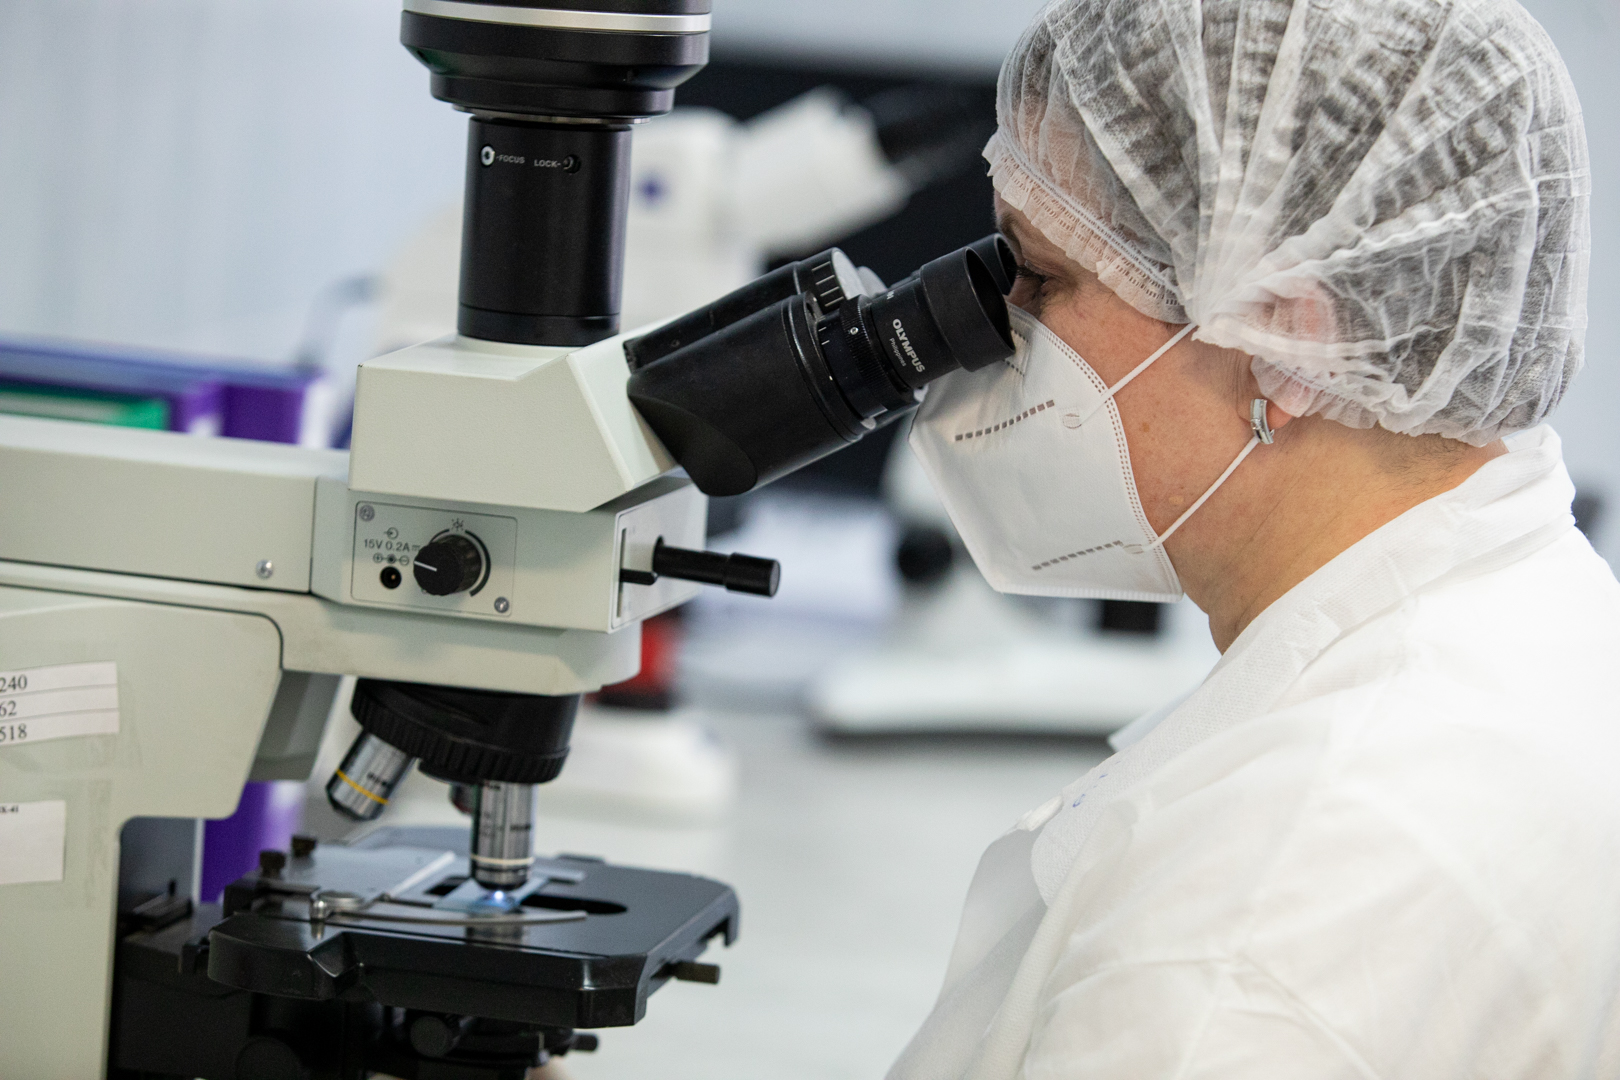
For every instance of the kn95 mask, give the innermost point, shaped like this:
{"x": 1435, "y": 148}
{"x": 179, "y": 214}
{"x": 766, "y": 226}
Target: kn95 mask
{"x": 1030, "y": 458}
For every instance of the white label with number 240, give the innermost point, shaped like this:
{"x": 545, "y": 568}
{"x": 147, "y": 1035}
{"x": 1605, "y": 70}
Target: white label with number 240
{"x": 58, "y": 702}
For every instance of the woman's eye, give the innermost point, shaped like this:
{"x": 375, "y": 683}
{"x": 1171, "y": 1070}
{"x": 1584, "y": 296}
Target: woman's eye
{"x": 1029, "y": 289}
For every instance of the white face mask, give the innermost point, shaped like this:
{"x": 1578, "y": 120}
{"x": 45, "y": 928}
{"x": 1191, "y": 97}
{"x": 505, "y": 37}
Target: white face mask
{"x": 1031, "y": 461}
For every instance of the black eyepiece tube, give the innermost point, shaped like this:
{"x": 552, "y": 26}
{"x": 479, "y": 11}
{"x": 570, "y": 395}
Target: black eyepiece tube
{"x": 828, "y": 278}
{"x": 790, "y": 383}
{"x": 998, "y": 259}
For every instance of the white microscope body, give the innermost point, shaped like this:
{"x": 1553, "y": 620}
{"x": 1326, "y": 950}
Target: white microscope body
{"x": 175, "y": 614}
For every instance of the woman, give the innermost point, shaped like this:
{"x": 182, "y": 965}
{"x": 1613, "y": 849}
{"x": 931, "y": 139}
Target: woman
{"x": 1299, "y": 283}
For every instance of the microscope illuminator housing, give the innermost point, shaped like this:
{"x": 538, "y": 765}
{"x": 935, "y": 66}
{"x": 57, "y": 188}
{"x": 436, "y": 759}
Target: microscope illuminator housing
{"x": 480, "y": 421}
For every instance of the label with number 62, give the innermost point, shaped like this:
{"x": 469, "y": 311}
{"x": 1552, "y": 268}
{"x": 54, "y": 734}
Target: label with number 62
{"x": 58, "y": 702}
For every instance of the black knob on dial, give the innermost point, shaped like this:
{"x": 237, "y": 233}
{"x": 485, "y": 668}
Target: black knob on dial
{"x": 447, "y": 565}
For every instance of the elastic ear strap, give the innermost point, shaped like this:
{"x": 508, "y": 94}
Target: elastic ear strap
{"x": 1138, "y": 369}
{"x": 1202, "y": 499}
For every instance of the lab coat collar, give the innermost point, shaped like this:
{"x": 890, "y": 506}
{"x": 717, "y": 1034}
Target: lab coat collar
{"x": 1523, "y": 495}
{"x": 1512, "y": 506}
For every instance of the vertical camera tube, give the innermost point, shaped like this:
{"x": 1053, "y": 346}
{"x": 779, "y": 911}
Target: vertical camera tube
{"x": 542, "y": 239}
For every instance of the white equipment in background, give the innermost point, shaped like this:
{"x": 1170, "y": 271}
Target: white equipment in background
{"x": 712, "y": 199}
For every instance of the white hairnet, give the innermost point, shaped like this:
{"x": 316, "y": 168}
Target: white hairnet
{"x": 1385, "y": 202}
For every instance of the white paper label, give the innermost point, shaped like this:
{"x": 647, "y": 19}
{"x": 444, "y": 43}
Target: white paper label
{"x": 33, "y": 837}
{"x": 58, "y": 702}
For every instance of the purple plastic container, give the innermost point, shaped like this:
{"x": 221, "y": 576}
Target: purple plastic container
{"x": 206, "y": 396}
{"x": 196, "y": 396}
{"x": 273, "y": 406}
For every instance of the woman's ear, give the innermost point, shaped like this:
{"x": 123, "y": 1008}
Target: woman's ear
{"x": 1247, "y": 389}
{"x": 1275, "y": 416}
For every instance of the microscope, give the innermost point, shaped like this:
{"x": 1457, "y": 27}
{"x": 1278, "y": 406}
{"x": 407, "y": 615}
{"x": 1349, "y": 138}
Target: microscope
{"x": 176, "y": 613}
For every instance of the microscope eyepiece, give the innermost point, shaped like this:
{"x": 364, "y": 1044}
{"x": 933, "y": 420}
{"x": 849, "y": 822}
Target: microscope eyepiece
{"x": 799, "y": 376}
{"x": 828, "y": 278}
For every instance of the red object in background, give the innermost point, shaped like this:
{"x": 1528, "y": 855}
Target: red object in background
{"x": 654, "y": 686}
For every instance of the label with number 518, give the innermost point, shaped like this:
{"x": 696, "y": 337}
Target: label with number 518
{"x": 58, "y": 702}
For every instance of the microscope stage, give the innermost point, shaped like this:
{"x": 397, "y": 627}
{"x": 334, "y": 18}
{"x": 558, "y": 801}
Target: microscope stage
{"x": 402, "y": 975}
{"x": 606, "y": 936}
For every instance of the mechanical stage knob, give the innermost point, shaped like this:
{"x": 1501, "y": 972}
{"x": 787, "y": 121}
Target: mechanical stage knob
{"x": 449, "y": 564}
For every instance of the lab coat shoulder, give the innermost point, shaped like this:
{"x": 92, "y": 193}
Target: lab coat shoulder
{"x": 1529, "y": 632}
{"x": 1420, "y": 818}
{"x": 1156, "y": 977}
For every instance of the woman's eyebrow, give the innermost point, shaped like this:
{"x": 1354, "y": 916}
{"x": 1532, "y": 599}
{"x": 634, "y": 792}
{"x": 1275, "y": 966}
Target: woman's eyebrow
{"x": 1010, "y": 227}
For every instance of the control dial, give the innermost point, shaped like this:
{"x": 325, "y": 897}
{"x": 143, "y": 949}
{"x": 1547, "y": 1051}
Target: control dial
{"x": 448, "y": 564}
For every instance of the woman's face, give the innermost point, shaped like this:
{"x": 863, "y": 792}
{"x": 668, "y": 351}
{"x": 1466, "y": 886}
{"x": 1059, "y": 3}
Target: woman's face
{"x": 1185, "y": 417}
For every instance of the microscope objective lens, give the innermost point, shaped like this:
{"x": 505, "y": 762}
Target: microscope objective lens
{"x": 363, "y": 784}
{"x": 503, "y": 835}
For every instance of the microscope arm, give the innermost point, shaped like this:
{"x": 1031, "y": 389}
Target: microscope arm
{"x": 323, "y": 638}
{"x": 259, "y": 529}
{"x": 271, "y": 523}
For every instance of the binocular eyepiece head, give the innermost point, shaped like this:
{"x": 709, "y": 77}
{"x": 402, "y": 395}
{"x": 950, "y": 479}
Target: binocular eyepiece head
{"x": 813, "y": 357}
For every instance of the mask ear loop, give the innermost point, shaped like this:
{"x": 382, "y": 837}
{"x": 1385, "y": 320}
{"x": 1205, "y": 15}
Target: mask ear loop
{"x": 1263, "y": 435}
{"x": 1137, "y": 370}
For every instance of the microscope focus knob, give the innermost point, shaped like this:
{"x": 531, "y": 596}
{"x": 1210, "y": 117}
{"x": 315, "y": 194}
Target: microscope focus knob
{"x": 448, "y": 564}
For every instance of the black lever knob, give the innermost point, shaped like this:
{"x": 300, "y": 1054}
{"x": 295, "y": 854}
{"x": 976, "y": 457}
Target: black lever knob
{"x": 737, "y": 573}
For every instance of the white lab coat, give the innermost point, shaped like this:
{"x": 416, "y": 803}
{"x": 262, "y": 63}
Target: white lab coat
{"x": 1381, "y": 840}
